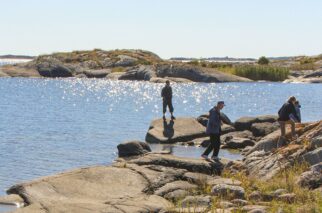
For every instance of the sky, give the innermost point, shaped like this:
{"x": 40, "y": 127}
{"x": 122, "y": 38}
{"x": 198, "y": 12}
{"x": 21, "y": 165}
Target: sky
{"x": 169, "y": 28}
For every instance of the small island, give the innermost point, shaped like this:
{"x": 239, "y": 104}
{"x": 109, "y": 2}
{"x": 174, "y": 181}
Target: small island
{"x": 147, "y": 66}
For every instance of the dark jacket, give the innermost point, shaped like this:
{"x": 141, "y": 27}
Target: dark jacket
{"x": 214, "y": 122}
{"x": 285, "y": 111}
{"x": 166, "y": 93}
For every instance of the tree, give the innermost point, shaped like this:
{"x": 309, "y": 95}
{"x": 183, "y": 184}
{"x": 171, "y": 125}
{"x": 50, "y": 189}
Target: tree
{"x": 263, "y": 60}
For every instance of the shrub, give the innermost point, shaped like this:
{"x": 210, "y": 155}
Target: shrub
{"x": 194, "y": 62}
{"x": 263, "y": 60}
{"x": 307, "y": 60}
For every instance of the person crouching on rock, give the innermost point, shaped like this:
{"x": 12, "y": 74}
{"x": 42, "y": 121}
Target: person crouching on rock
{"x": 166, "y": 95}
{"x": 214, "y": 131}
{"x": 288, "y": 115}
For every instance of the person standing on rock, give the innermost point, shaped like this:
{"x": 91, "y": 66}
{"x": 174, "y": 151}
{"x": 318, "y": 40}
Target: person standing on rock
{"x": 284, "y": 116}
{"x": 214, "y": 131}
{"x": 166, "y": 95}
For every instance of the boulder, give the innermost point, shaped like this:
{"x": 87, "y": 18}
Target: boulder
{"x": 226, "y": 204}
{"x": 314, "y": 156}
{"x": 231, "y": 191}
{"x": 245, "y": 123}
{"x": 289, "y": 198}
{"x": 316, "y": 142}
{"x": 238, "y": 143}
{"x": 194, "y": 201}
{"x": 133, "y": 148}
{"x": 141, "y": 72}
{"x": 254, "y": 208}
{"x": 238, "y": 134}
{"x": 125, "y": 61}
{"x": 172, "y": 131}
{"x": 262, "y": 129}
{"x": 176, "y": 194}
{"x": 255, "y": 196}
{"x": 311, "y": 179}
{"x": 51, "y": 67}
{"x": 173, "y": 186}
{"x": 102, "y": 73}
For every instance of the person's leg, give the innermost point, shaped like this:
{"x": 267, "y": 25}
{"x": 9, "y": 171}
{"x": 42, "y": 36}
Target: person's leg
{"x": 216, "y": 145}
{"x": 171, "y": 109}
{"x": 164, "y": 103}
{"x": 210, "y": 146}
{"x": 292, "y": 128}
{"x": 282, "y": 126}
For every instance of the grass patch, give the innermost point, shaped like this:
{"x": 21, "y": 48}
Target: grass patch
{"x": 307, "y": 199}
{"x": 308, "y": 66}
{"x": 262, "y": 72}
{"x": 118, "y": 69}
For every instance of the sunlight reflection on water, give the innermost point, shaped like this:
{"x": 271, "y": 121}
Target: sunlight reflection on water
{"x": 50, "y": 125}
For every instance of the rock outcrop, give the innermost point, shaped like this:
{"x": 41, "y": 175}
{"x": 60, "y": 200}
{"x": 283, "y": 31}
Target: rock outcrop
{"x": 132, "y": 64}
{"x": 137, "y": 184}
{"x": 266, "y": 159}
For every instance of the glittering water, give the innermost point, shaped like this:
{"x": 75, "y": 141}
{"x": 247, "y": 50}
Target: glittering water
{"x": 47, "y": 125}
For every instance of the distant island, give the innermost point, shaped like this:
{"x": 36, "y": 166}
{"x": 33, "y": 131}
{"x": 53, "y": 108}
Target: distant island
{"x": 16, "y": 57}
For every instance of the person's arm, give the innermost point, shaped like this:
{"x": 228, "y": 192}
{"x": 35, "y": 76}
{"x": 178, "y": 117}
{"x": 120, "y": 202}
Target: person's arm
{"x": 170, "y": 91}
{"x": 293, "y": 111}
{"x": 162, "y": 92}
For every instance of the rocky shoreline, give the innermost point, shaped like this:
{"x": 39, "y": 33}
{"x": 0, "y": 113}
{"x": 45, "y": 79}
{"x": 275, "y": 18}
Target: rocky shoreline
{"x": 136, "y": 65}
{"x": 144, "y": 181}
{"x": 117, "y": 64}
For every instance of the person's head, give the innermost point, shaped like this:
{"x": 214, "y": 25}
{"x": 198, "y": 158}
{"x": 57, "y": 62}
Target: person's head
{"x": 167, "y": 83}
{"x": 291, "y": 99}
{"x": 220, "y": 105}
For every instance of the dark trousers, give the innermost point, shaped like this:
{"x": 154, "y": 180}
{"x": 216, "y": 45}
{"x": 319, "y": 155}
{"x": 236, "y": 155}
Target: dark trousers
{"x": 214, "y": 145}
{"x": 169, "y": 104}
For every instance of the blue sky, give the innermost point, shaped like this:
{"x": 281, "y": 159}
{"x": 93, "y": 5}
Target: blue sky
{"x": 201, "y": 28}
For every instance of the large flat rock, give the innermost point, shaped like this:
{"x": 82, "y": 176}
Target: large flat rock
{"x": 94, "y": 189}
{"x": 179, "y": 130}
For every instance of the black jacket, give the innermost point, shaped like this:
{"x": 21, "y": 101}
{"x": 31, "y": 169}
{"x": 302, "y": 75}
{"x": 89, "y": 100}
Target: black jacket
{"x": 285, "y": 111}
{"x": 166, "y": 93}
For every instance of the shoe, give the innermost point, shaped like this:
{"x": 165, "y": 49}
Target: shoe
{"x": 173, "y": 118}
{"x": 215, "y": 158}
{"x": 205, "y": 157}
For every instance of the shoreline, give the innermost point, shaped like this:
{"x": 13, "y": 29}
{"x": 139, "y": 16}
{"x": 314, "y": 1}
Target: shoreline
{"x": 160, "y": 178}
